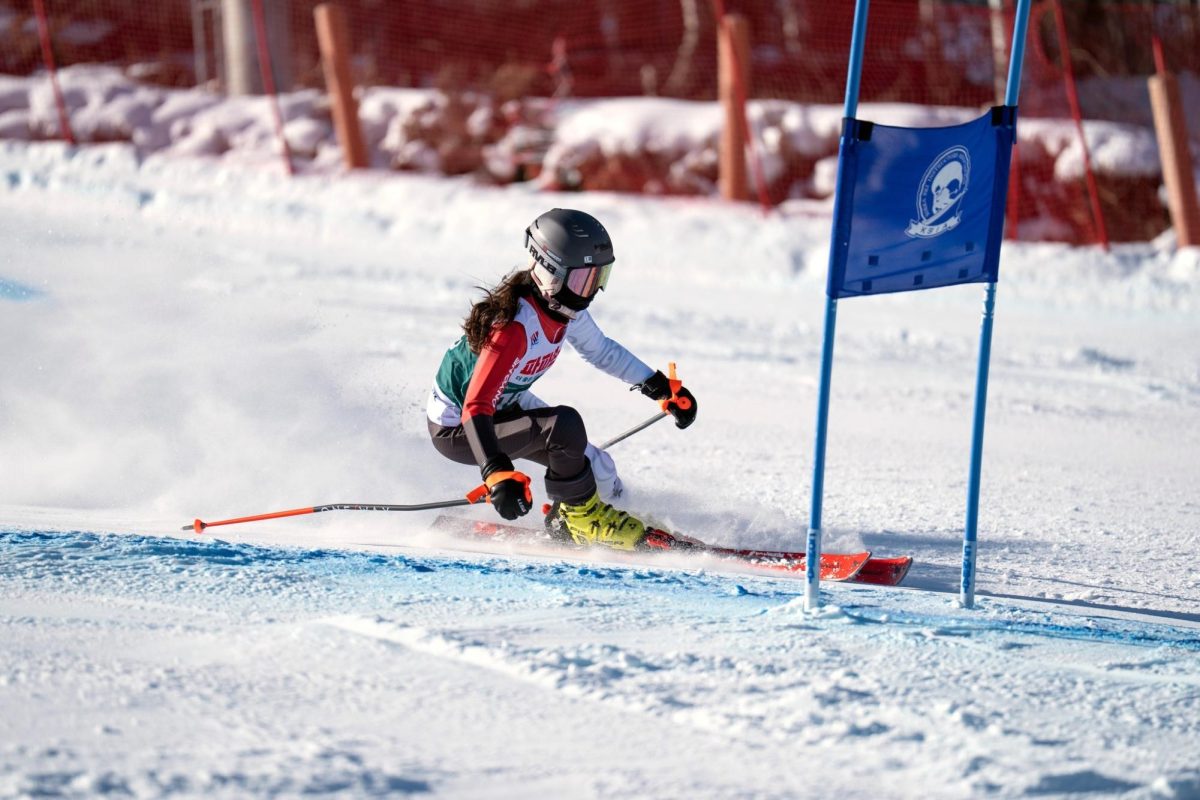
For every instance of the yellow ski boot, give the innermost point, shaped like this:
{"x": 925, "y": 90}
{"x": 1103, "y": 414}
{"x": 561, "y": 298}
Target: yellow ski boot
{"x": 596, "y": 522}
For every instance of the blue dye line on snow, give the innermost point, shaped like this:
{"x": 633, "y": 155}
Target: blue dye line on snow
{"x": 128, "y": 551}
{"x": 119, "y": 547}
{"x": 1112, "y": 631}
{"x": 11, "y": 290}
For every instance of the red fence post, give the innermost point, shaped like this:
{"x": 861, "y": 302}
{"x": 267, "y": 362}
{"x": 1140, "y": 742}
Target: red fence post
{"x": 268, "y": 79}
{"x": 64, "y": 120}
{"x": 1073, "y": 100}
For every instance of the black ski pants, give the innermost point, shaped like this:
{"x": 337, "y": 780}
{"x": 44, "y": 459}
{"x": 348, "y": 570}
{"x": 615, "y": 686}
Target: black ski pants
{"x": 554, "y": 437}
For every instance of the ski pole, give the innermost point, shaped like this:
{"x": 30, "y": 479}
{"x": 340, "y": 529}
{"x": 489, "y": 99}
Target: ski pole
{"x": 683, "y": 402}
{"x": 475, "y": 495}
{"x": 639, "y": 427}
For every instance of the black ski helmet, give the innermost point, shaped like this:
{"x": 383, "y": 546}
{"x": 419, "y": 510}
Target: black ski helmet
{"x": 571, "y": 257}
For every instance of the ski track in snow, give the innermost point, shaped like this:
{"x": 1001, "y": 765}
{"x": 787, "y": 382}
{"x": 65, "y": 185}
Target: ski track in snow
{"x": 197, "y": 339}
{"x": 728, "y": 664}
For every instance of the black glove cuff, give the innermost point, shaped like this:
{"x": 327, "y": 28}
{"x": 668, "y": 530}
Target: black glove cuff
{"x": 497, "y": 463}
{"x": 656, "y": 387}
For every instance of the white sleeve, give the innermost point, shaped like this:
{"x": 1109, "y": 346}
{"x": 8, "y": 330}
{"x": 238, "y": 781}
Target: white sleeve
{"x": 604, "y": 353}
{"x": 604, "y": 469}
{"x": 529, "y": 401}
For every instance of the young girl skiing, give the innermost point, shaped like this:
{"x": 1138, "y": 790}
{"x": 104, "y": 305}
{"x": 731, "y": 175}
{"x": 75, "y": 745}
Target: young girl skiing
{"x": 481, "y": 410}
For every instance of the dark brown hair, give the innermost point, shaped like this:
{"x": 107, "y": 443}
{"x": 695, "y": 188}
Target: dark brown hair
{"x": 498, "y": 307}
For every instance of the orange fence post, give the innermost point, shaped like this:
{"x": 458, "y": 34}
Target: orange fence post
{"x": 733, "y": 87}
{"x": 733, "y": 61}
{"x": 1176, "y": 158}
{"x": 334, "y": 39}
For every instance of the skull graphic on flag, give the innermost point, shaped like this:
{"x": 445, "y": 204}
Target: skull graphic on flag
{"x": 940, "y": 194}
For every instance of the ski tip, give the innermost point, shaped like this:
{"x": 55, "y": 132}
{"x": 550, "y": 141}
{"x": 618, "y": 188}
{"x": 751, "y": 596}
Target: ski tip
{"x": 885, "y": 571}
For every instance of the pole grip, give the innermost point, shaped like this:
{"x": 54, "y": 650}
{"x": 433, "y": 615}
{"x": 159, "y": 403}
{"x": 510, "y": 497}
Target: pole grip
{"x": 676, "y": 384}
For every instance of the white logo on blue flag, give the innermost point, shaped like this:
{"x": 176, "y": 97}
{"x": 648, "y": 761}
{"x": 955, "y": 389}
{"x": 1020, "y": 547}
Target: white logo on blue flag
{"x": 939, "y": 198}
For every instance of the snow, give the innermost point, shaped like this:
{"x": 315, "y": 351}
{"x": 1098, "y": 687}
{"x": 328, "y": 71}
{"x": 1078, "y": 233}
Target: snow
{"x": 197, "y": 337}
{"x": 1115, "y": 148}
{"x": 14, "y": 94}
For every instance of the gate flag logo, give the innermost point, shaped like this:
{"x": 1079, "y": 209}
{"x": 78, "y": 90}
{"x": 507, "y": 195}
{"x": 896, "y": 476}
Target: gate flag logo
{"x": 939, "y": 197}
{"x": 918, "y": 206}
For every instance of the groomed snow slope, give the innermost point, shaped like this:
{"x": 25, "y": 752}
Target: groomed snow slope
{"x": 184, "y": 339}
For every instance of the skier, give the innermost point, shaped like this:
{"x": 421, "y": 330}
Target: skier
{"x": 481, "y": 411}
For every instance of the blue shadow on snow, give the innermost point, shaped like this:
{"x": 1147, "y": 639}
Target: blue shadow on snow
{"x": 17, "y": 292}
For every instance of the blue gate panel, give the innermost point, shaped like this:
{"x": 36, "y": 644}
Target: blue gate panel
{"x": 918, "y": 208}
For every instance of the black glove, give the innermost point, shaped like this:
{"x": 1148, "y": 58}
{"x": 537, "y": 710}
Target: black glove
{"x": 675, "y": 399}
{"x": 508, "y": 490}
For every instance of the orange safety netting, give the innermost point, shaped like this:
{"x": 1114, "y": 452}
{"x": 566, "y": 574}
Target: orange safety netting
{"x": 505, "y": 67}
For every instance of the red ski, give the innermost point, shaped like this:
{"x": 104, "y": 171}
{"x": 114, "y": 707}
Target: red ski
{"x": 878, "y": 571}
{"x": 834, "y": 567}
{"x": 884, "y": 571}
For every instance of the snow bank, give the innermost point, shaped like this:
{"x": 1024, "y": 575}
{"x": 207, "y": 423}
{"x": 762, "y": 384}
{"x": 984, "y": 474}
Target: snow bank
{"x": 641, "y": 144}
{"x": 1117, "y": 149}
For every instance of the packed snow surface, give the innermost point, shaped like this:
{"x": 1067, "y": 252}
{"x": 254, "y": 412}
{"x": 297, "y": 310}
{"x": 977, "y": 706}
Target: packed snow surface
{"x": 185, "y": 338}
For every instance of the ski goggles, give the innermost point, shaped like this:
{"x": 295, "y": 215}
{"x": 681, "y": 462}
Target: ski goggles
{"x": 584, "y": 281}
{"x": 587, "y": 281}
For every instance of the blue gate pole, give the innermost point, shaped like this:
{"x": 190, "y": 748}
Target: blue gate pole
{"x": 812, "y": 575}
{"x": 812, "y": 547}
{"x": 966, "y": 594}
{"x": 970, "y": 535}
{"x": 1016, "y": 58}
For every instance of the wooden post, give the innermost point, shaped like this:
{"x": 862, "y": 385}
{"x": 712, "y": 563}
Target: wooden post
{"x": 733, "y": 87}
{"x": 1176, "y": 158}
{"x": 334, "y": 39}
